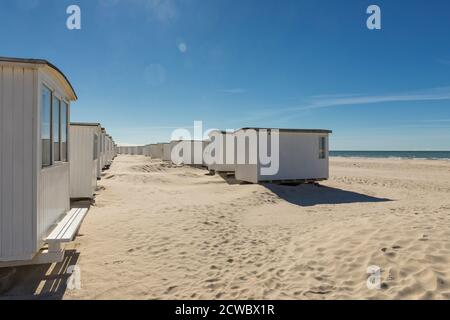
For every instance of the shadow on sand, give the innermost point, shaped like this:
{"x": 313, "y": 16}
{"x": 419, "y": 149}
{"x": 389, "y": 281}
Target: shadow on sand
{"x": 47, "y": 281}
{"x": 230, "y": 178}
{"x": 307, "y": 195}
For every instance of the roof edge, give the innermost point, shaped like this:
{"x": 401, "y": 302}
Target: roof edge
{"x": 91, "y": 124}
{"x": 41, "y": 62}
{"x": 288, "y": 130}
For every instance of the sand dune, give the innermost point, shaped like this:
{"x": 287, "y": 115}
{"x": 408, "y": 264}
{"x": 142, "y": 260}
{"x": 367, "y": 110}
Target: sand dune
{"x": 158, "y": 231}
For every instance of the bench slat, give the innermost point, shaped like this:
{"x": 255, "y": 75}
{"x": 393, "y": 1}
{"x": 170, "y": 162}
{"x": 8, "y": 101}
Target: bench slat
{"x": 68, "y": 225}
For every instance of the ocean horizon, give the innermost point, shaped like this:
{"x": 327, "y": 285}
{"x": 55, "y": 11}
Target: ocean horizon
{"x": 428, "y": 155}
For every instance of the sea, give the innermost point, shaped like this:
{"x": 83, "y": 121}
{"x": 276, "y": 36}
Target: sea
{"x": 430, "y": 155}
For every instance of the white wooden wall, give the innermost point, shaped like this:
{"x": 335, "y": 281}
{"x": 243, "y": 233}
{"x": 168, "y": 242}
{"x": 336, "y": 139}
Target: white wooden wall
{"x": 53, "y": 197}
{"x": 103, "y": 153}
{"x": 298, "y": 159}
{"x": 17, "y": 158}
{"x": 221, "y": 154}
{"x": 156, "y": 151}
{"x": 167, "y": 152}
{"x": 83, "y": 168}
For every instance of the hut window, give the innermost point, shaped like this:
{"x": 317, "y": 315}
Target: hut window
{"x": 56, "y": 129}
{"x": 322, "y": 148}
{"x": 64, "y": 130}
{"x": 95, "y": 147}
{"x": 46, "y": 137}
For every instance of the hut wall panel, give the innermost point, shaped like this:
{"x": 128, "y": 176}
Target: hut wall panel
{"x": 167, "y": 152}
{"x": 299, "y": 158}
{"x": 53, "y": 198}
{"x": 82, "y": 165}
{"x": 17, "y": 102}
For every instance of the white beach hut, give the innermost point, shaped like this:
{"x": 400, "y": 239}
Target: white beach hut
{"x": 167, "y": 152}
{"x": 189, "y": 152}
{"x": 84, "y": 158}
{"x": 114, "y": 152}
{"x": 226, "y": 141}
{"x": 156, "y": 151}
{"x": 103, "y": 149}
{"x": 34, "y": 170}
{"x": 302, "y": 156}
{"x": 108, "y": 150}
{"x": 146, "y": 150}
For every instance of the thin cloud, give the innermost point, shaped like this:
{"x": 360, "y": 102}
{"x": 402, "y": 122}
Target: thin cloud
{"x": 434, "y": 94}
{"x": 343, "y": 100}
{"x": 437, "y": 120}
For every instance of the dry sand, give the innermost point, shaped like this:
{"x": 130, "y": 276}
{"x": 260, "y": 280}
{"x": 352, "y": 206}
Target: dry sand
{"x": 163, "y": 232}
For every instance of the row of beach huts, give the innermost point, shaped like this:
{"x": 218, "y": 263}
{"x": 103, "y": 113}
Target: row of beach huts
{"x": 302, "y": 154}
{"x": 45, "y": 162}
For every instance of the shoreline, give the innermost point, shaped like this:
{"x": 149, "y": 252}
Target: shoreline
{"x": 388, "y": 158}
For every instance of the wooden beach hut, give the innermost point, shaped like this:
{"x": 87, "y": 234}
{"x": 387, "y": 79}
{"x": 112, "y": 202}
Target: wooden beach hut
{"x": 224, "y": 162}
{"x": 302, "y": 156}
{"x": 84, "y": 158}
{"x": 34, "y": 162}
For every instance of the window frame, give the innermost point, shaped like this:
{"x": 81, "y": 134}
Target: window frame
{"x": 48, "y": 88}
{"x": 64, "y": 102}
{"x": 59, "y": 129}
{"x": 96, "y": 146}
{"x": 322, "y": 147}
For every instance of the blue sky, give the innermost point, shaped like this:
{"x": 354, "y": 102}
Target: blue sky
{"x": 145, "y": 67}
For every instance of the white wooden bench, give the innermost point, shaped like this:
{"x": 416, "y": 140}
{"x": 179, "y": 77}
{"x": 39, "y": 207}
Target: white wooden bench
{"x": 65, "y": 231}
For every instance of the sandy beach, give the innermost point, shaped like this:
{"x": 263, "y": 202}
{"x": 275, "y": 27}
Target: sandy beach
{"x": 158, "y": 231}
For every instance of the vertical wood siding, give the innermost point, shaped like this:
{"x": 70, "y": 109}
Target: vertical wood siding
{"x": 17, "y": 103}
{"x": 53, "y": 199}
{"x": 82, "y": 166}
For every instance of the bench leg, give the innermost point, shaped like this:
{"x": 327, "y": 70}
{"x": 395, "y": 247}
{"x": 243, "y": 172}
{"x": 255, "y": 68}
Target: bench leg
{"x": 54, "y": 247}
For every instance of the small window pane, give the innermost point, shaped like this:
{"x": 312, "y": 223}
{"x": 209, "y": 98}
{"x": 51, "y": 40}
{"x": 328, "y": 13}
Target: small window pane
{"x": 46, "y": 112}
{"x": 56, "y": 130}
{"x": 95, "y": 147}
{"x": 64, "y": 130}
{"x": 322, "y": 148}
